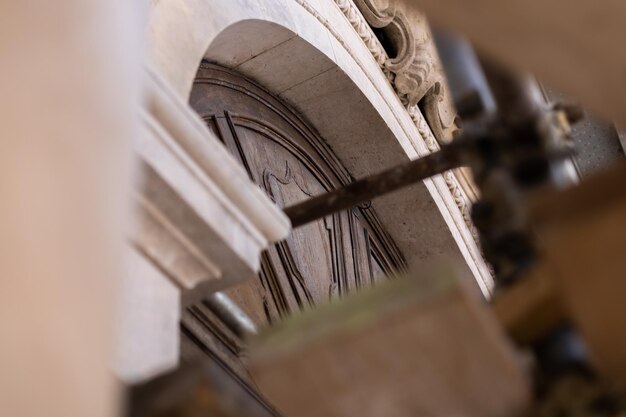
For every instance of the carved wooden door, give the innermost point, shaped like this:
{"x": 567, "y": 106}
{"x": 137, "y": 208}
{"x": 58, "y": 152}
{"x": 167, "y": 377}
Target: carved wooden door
{"x": 290, "y": 162}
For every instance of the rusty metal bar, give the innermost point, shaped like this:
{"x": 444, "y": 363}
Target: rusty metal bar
{"x": 374, "y": 186}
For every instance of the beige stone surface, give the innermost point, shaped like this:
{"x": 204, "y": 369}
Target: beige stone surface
{"x": 147, "y": 322}
{"x": 395, "y": 351}
{"x": 70, "y": 90}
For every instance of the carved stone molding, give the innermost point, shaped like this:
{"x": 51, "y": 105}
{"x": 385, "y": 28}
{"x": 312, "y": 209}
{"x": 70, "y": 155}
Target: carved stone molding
{"x": 407, "y": 46}
{"x": 352, "y": 13}
{"x": 413, "y": 77}
{"x": 421, "y": 76}
{"x": 460, "y": 197}
{"x": 201, "y": 220}
{"x": 200, "y": 226}
{"x": 396, "y": 27}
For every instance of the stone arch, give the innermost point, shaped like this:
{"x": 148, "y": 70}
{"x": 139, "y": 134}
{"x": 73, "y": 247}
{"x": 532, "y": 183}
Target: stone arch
{"x": 310, "y": 56}
{"x": 320, "y": 90}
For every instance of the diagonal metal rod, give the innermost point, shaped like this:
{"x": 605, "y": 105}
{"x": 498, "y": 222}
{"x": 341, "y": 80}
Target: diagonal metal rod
{"x": 375, "y": 185}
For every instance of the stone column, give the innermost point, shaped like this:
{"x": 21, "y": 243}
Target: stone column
{"x": 69, "y": 92}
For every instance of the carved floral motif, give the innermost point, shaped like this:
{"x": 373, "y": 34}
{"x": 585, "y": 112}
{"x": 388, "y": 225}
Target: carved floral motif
{"x": 413, "y": 60}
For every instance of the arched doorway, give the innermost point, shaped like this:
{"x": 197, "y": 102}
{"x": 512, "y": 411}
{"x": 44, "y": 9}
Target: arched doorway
{"x": 290, "y": 162}
{"x": 324, "y": 260}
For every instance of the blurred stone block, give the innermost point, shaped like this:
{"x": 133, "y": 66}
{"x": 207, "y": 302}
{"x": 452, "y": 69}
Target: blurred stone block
{"x": 423, "y": 345}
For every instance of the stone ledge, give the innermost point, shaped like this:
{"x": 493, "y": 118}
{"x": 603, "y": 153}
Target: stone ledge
{"x": 201, "y": 219}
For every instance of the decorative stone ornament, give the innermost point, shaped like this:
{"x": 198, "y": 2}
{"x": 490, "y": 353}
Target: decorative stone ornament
{"x": 414, "y": 76}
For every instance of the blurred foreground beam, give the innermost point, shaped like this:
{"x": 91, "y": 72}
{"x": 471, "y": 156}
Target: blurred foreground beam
{"x": 583, "y": 231}
{"x": 531, "y": 308}
{"x": 581, "y": 275}
{"x": 570, "y": 45}
{"x": 418, "y": 345}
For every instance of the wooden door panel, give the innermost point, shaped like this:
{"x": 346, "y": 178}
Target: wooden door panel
{"x": 290, "y": 162}
{"x": 320, "y": 261}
